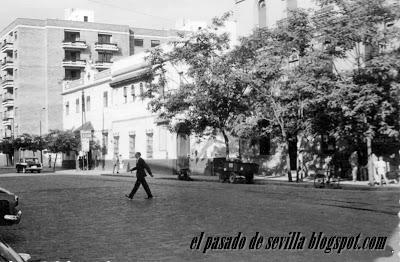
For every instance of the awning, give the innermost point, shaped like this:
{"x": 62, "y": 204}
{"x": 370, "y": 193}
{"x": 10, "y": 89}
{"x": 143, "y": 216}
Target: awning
{"x": 85, "y": 127}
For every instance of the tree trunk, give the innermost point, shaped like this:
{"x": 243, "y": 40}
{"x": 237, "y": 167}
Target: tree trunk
{"x": 54, "y": 165}
{"x": 226, "y": 139}
{"x": 299, "y": 157}
{"x": 370, "y": 162}
{"x": 286, "y": 150}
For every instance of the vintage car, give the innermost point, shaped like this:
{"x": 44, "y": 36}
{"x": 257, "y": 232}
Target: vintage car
{"x": 31, "y": 164}
{"x": 8, "y": 254}
{"x": 9, "y": 214}
{"x": 234, "y": 170}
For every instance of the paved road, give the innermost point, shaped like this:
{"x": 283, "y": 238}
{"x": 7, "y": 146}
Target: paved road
{"x": 86, "y": 218}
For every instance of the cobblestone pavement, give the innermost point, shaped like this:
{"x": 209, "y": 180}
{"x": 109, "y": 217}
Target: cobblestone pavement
{"x": 87, "y": 218}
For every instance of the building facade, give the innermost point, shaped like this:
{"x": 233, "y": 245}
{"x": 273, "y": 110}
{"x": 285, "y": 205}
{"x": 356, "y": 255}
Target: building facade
{"x": 117, "y": 112}
{"x": 250, "y": 14}
{"x": 40, "y": 56}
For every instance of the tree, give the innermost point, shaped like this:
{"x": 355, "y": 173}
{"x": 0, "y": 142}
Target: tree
{"x": 212, "y": 92}
{"x": 59, "y": 141}
{"x": 291, "y": 78}
{"x": 364, "y": 34}
{"x": 6, "y": 146}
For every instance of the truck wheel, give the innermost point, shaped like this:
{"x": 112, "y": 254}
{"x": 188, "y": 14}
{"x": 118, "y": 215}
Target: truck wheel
{"x": 18, "y": 170}
{"x": 232, "y": 178}
{"x": 39, "y": 171}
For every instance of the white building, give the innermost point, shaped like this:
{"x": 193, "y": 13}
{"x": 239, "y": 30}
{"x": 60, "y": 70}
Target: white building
{"x": 250, "y": 14}
{"x": 118, "y": 116}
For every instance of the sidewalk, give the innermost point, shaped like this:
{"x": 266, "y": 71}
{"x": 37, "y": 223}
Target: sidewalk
{"x": 258, "y": 180}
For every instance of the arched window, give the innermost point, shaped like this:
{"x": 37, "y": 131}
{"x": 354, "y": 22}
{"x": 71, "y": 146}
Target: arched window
{"x": 262, "y": 13}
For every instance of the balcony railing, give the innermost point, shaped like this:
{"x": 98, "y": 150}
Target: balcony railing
{"x": 74, "y": 44}
{"x": 100, "y": 46}
{"x": 7, "y": 47}
{"x": 7, "y": 123}
{"x": 7, "y": 64}
{"x": 103, "y": 64}
{"x": 8, "y": 103}
{"x": 68, "y": 62}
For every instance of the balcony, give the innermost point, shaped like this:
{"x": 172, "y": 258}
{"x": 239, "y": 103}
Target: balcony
{"x": 8, "y": 100}
{"x": 8, "y": 115}
{"x": 7, "y": 47}
{"x": 76, "y": 63}
{"x": 8, "y": 82}
{"x": 7, "y": 65}
{"x": 74, "y": 44}
{"x": 111, "y": 47}
{"x": 7, "y": 123}
{"x": 103, "y": 64}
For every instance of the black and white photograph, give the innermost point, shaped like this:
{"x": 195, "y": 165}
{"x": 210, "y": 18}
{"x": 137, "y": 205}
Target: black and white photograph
{"x": 213, "y": 130}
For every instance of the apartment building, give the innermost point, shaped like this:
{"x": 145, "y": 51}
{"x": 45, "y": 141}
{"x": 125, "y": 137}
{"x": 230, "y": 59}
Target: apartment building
{"x": 38, "y": 57}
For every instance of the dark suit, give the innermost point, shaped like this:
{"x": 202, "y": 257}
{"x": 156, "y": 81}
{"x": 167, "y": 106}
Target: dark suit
{"x": 140, "y": 168}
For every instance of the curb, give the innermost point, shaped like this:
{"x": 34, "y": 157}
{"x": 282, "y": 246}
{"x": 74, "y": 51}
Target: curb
{"x": 271, "y": 182}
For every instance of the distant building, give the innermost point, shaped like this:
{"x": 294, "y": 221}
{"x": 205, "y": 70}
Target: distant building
{"x": 250, "y": 14}
{"x": 38, "y": 57}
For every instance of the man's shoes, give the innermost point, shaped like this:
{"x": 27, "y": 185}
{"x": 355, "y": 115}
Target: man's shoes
{"x": 149, "y": 197}
{"x": 128, "y": 196}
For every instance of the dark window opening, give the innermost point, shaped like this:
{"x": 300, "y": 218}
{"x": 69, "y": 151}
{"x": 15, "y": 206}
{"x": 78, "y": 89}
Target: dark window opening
{"x": 71, "y": 74}
{"x": 105, "y": 99}
{"x": 85, "y": 19}
{"x": 71, "y": 36}
{"x": 155, "y": 43}
{"x": 262, "y": 14}
{"x": 265, "y": 145}
{"x": 138, "y": 42}
{"x": 105, "y": 57}
{"x": 72, "y": 55}
{"x": 104, "y": 39}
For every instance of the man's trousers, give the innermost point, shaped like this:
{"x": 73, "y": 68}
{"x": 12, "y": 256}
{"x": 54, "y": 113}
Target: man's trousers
{"x": 142, "y": 181}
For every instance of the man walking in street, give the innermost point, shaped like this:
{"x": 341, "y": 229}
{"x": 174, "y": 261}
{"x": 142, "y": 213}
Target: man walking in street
{"x": 140, "y": 168}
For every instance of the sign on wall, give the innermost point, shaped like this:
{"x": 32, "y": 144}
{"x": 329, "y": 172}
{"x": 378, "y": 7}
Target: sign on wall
{"x": 85, "y": 140}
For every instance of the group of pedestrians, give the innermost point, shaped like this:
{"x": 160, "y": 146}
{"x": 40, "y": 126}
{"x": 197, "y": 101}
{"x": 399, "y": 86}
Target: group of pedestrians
{"x": 380, "y": 170}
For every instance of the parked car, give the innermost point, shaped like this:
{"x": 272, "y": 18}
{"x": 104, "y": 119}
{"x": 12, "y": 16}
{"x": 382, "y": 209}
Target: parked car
{"x": 9, "y": 214}
{"x": 31, "y": 164}
{"x": 8, "y": 254}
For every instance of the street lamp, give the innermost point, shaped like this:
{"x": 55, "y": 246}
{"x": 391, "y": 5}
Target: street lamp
{"x": 40, "y": 135}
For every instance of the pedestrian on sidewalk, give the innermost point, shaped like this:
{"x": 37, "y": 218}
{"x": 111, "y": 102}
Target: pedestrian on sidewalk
{"x": 381, "y": 170}
{"x": 116, "y": 163}
{"x": 354, "y": 165}
{"x": 140, "y": 168}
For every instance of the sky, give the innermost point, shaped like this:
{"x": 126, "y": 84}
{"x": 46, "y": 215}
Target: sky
{"x": 157, "y": 14}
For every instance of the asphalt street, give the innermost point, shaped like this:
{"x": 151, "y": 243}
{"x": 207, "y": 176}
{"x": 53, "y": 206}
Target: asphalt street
{"x": 87, "y": 218}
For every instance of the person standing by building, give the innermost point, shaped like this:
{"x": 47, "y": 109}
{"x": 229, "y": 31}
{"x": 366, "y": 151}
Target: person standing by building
{"x": 353, "y": 159}
{"x": 381, "y": 169}
{"x": 140, "y": 168}
{"x": 49, "y": 161}
{"x": 116, "y": 164}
